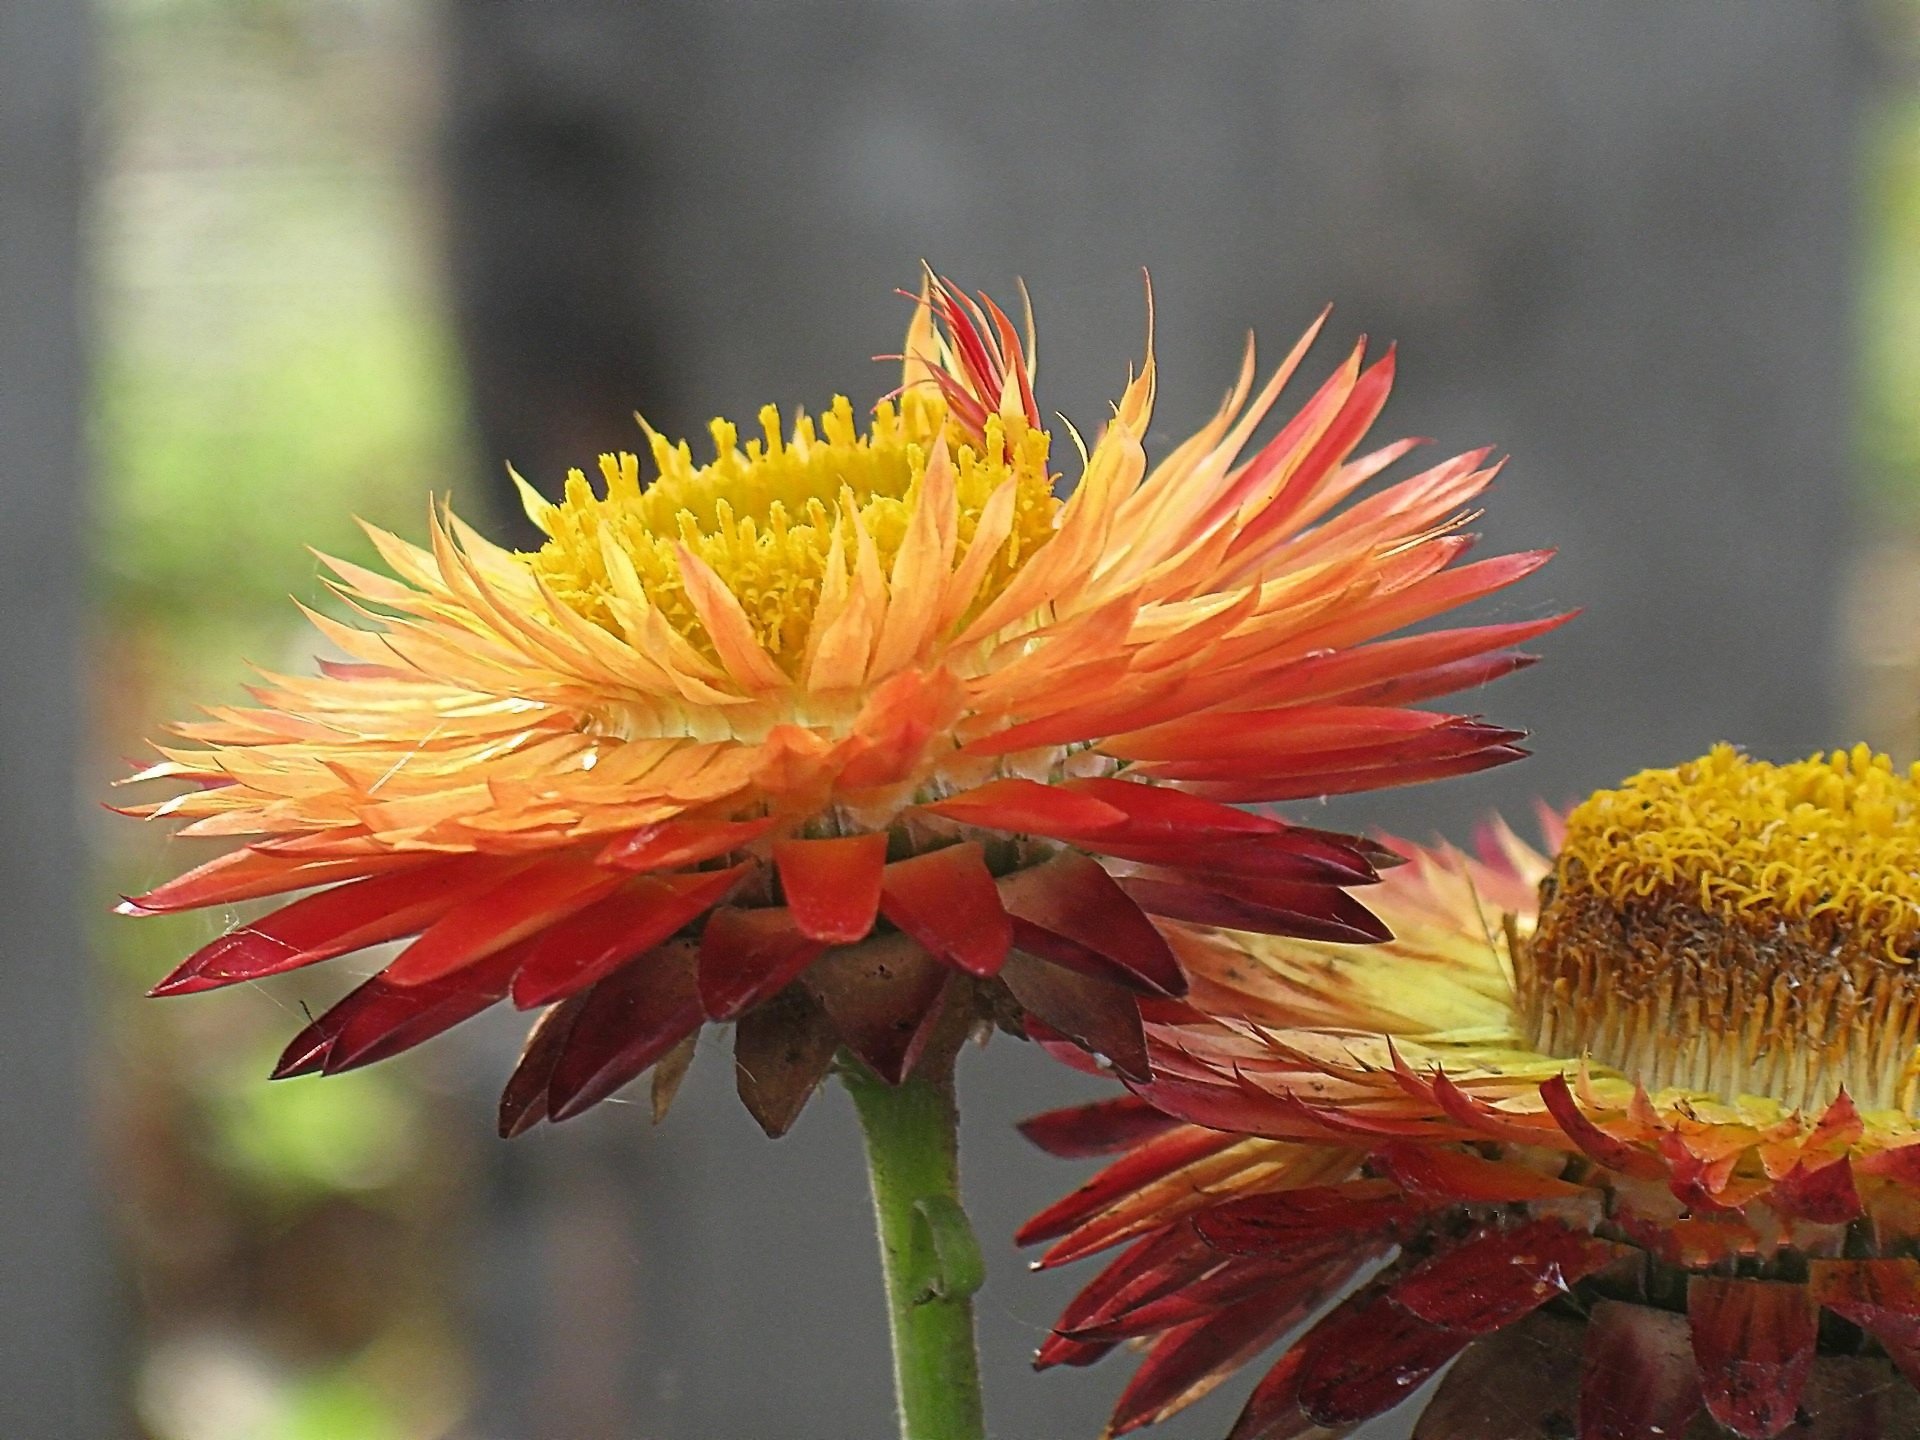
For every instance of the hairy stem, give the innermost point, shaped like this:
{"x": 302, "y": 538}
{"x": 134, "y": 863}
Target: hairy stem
{"x": 927, "y": 1250}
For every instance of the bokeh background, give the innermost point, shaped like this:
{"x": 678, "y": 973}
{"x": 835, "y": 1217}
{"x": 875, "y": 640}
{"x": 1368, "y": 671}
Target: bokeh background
{"x": 269, "y": 264}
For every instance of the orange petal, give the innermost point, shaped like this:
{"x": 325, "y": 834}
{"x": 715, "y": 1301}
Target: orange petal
{"x": 585, "y": 948}
{"x": 1026, "y": 807}
{"x": 946, "y": 900}
{"x": 673, "y": 844}
{"x": 530, "y": 901}
{"x": 248, "y": 873}
{"x": 832, "y": 887}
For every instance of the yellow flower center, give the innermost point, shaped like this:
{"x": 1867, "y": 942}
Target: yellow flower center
{"x": 765, "y": 516}
{"x": 1739, "y": 928}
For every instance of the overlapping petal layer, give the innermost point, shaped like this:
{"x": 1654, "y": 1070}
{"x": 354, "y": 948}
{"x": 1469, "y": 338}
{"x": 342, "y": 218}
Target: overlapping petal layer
{"x": 854, "y": 737}
{"x": 1318, "y": 1110}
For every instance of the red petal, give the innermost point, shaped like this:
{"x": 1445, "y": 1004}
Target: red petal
{"x": 1281, "y": 852}
{"x": 1289, "y": 731}
{"x": 833, "y": 886}
{"x": 519, "y": 906}
{"x": 523, "y": 1104}
{"x": 1367, "y": 1356}
{"x": 1439, "y": 591}
{"x": 624, "y": 1024}
{"x": 1840, "y": 1126}
{"x": 1882, "y": 1297}
{"x": 1299, "y": 487}
{"x": 1697, "y": 1183}
{"x": 1343, "y": 674}
{"x": 248, "y": 874}
{"x": 946, "y": 899}
{"x": 1290, "y": 1219}
{"x": 883, "y": 998}
{"x": 1451, "y": 679}
{"x": 338, "y": 920}
{"x": 1026, "y": 807}
{"x": 1190, "y": 1360}
{"x": 1276, "y": 1114}
{"x": 1095, "y": 1015}
{"x": 1273, "y": 1412}
{"x": 748, "y": 955}
{"x": 1072, "y": 897}
{"x": 1900, "y": 1164}
{"x": 1495, "y": 1277}
{"x": 1753, "y": 1341}
{"x": 1064, "y": 1350}
{"x": 1275, "y": 788}
{"x": 1299, "y": 1283}
{"x": 1445, "y": 1174}
{"x": 1359, "y": 405}
{"x": 676, "y": 844}
{"x": 1164, "y": 1263}
{"x": 1269, "y": 743}
{"x": 379, "y": 1019}
{"x": 1308, "y": 912}
{"x": 1825, "y": 1196}
{"x": 1637, "y": 1375}
{"x": 566, "y": 958}
{"x": 1151, "y": 1161}
{"x": 1097, "y": 1129}
{"x": 1613, "y": 1153}
{"x": 1286, "y": 856}
{"x": 1160, "y": 812}
{"x": 1477, "y": 1115}
{"x": 1064, "y": 1050}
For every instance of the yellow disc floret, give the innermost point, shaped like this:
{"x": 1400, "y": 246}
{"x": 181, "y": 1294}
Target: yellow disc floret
{"x": 765, "y": 516}
{"x": 1834, "y": 839}
{"x": 1739, "y": 928}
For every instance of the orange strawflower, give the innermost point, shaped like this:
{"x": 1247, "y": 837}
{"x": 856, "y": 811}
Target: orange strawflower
{"x": 1664, "y": 1086}
{"x": 855, "y": 737}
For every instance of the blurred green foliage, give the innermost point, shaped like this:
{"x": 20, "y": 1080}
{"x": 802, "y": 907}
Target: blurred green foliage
{"x": 221, "y": 476}
{"x": 338, "y": 1405}
{"x": 272, "y": 360}
{"x": 304, "y": 1138}
{"x": 1889, "y": 304}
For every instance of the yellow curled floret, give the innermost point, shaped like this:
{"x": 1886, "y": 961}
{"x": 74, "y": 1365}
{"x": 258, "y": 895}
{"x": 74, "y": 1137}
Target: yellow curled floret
{"x": 770, "y": 517}
{"x": 1833, "y": 840}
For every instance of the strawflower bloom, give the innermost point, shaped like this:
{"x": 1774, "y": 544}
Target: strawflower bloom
{"x": 862, "y": 739}
{"x": 841, "y": 730}
{"x": 1634, "y": 1129}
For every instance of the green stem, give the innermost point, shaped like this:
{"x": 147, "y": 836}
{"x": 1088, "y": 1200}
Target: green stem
{"x": 927, "y": 1250}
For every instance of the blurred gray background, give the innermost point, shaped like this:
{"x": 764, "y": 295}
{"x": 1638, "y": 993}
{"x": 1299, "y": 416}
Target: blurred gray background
{"x": 1623, "y": 243}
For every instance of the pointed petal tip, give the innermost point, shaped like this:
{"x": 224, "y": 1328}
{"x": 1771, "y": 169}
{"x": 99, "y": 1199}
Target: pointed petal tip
{"x": 571, "y": 1108}
{"x": 522, "y": 1105}
{"x": 298, "y": 1062}
{"x": 512, "y": 1127}
{"x": 181, "y": 982}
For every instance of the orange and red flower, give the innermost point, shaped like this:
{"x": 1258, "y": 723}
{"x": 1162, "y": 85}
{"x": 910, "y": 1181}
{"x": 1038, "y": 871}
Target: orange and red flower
{"x": 1663, "y": 1087}
{"x": 852, "y": 737}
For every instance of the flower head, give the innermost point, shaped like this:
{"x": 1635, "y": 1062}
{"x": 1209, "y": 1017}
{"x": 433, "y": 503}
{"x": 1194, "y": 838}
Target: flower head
{"x": 1668, "y": 1074}
{"x": 857, "y": 736}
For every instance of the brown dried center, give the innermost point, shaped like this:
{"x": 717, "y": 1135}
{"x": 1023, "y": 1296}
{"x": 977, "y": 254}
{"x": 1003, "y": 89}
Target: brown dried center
{"x": 1672, "y": 995}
